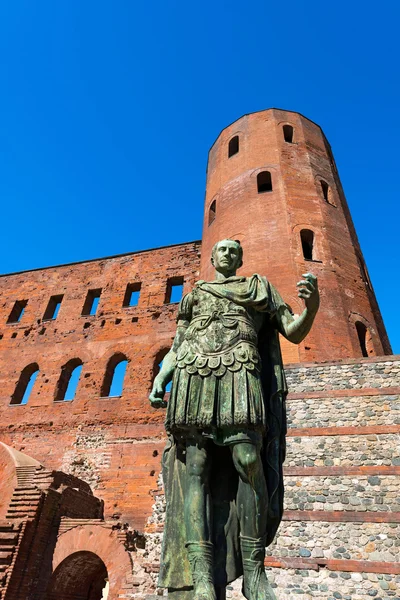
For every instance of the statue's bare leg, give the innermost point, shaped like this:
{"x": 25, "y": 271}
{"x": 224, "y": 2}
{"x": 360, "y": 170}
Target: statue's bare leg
{"x": 252, "y": 506}
{"x": 198, "y": 502}
{"x": 198, "y": 519}
{"x": 252, "y": 497}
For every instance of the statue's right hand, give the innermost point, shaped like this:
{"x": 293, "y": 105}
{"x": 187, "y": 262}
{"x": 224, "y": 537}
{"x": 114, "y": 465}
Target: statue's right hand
{"x": 157, "y": 394}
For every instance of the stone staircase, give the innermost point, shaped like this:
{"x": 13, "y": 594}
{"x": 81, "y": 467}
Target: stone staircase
{"x": 9, "y": 538}
{"x": 23, "y": 506}
{"x": 27, "y": 494}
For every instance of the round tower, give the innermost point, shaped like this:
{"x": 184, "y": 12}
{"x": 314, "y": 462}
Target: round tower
{"x": 272, "y": 183}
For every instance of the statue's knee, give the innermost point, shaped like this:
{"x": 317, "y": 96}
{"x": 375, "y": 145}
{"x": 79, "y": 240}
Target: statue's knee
{"x": 197, "y": 464}
{"x": 246, "y": 458}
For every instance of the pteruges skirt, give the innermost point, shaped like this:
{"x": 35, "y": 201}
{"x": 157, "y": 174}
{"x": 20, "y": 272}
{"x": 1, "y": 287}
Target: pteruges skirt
{"x": 218, "y": 406}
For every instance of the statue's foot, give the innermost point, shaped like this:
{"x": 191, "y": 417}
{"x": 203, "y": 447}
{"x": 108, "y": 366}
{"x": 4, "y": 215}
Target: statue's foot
{"x": 201, "y": 555}
{"x": 204, "y": 590}
{"x": 255, "y": 582}
{"x": 257, "y": 587}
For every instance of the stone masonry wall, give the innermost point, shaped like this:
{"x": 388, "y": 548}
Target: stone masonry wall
{"x": 340, "y": 535}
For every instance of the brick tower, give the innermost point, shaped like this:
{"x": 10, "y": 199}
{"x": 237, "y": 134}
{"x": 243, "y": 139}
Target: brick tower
{"x": 272, "y": 183}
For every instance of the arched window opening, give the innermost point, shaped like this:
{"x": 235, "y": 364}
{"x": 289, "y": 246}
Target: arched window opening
{"x": 69, "y": 379}
{"x": 264, "y": 182}
{"x": 307, "y": 243}
{"x": 325, "y": 190}
{"x": 113, "y": 383}
{"x": 365, "y": 339}
{"x": 362, "y": 337}
{"x": 25, "y": 384}
{"x": 212, "y": 212}
{"x": 158, "y": 362}
{"x": 233, "y": 147}
{"x": 288, "y": 133}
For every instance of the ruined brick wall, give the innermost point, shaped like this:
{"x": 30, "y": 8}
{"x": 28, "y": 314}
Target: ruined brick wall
{"x": 269, "y": 225}
{"x": 114, "y": 444}
{"x": 340, "y": 535}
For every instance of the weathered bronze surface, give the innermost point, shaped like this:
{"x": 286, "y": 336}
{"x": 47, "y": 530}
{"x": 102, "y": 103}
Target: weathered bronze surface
{"x": 226, "y": 423}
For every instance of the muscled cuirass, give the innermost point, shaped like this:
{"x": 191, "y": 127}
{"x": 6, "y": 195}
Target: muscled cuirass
{"x": 221, "y": 335}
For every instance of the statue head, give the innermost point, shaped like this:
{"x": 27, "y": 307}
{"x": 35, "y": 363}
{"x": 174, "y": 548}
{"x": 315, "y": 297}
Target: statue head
{"x": 226, "y": 257}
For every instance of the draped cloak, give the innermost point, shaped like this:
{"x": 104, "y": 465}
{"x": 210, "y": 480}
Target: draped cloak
{"x": 257, "y": 293}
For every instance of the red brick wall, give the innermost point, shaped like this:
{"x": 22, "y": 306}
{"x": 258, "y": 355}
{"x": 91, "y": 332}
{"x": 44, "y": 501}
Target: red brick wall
{"x": 112, "y": 443}
{"x": 268, "y": 225}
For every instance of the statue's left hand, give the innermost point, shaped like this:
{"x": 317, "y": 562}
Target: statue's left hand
{"x": 308, "y": 290}
{"x": 157, "y": 394}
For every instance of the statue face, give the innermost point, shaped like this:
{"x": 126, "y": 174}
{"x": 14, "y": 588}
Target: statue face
{"x": 226, "y": 258}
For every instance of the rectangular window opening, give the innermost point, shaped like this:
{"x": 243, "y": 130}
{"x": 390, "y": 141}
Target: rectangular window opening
{"x": 174, "y": 290}
{"x": 53, "y": 307}
{"x": 91, "y": 302}
{"x": 17, "y": 311}
{"x": 132, "y": 294}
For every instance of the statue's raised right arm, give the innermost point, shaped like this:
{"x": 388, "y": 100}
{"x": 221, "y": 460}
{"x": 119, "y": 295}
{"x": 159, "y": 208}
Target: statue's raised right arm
{"x": 296, "y": 329}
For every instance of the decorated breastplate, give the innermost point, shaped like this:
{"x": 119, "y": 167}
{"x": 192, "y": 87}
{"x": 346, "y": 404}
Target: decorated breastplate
{"x": 220, "y": 338}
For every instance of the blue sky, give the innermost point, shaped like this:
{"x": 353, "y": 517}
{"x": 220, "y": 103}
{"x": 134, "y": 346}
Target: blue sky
{"x": 108, "y": 110}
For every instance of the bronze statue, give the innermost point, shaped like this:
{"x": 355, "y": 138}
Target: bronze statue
{"x": 226, "y": 423}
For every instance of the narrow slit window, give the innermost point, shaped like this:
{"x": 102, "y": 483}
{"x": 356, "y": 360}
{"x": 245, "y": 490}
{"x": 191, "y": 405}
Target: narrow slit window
{"x": 174, "y": 290}
{"x": 233, "y": 146}
{"x": 25, "y": 384}
{"x": 362, "y": 337}
{"x": 53, "y": 308}
{"x": 307, "y": 243}
{"x": 17, "y": 311}
{"x": 363, "y": 270}
{"x": 91, "y": 303}
{"x": 69, "y": 379}
{"x": 113, "y": 383}
{"x": 132, "y": 294}
{"x": 325, "y": 190}
{"x": 288, "y": 134}
{"x": 212, "y": 213}
{"x": 264, "y": 182}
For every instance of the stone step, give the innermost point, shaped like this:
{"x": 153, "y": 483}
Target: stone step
{"x": 19, "y": 514}
{"x": 8, "y": 527}
{"x": 22, "y": 506}
{"x": 8, "y": 537}
{"x": 5, "y": 558}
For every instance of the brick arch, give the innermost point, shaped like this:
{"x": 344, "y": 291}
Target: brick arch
{"x": 81, "y": 575}
{"x": 103, "y": 543}
{"x": 255, "y": 172}
{"x": 295, "y": 303}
